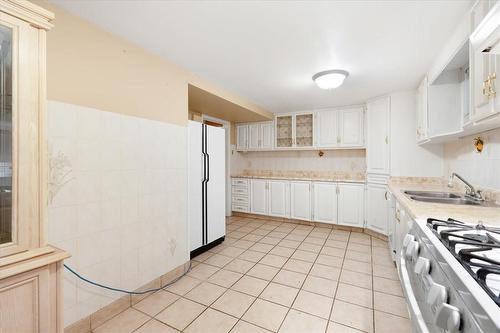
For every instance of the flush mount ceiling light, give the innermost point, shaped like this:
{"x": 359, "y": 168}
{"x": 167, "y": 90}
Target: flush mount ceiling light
{"x": 330, "y": 79}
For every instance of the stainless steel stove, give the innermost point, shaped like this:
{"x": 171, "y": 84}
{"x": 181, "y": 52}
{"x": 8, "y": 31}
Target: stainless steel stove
{"x": 450, "y": 273}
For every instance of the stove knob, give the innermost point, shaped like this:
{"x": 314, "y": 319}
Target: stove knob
{"x": 407, "y": 240}
{"x": 422, "y": 267}
{"x": 412, "y": 250}
{"x": 448, "y": 318}
{"x": 437, "y": 295}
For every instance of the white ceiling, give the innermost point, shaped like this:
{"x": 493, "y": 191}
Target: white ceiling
{"x": 267, "y": 51}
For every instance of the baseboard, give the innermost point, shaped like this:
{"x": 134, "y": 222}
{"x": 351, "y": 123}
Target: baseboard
{"x": 311, "y": 223}
{"x": 96, "y": 319}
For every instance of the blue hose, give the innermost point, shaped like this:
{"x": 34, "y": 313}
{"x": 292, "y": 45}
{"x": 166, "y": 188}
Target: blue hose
{"x": 123, "y": 290}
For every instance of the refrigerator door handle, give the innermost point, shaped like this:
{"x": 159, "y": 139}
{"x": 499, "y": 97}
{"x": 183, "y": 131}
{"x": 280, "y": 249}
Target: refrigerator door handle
{"x": 208, "y": 167}
{"x": 202, "y": 167}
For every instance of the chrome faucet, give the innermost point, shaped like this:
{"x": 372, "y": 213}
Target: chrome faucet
{"x": 470, "y": 191}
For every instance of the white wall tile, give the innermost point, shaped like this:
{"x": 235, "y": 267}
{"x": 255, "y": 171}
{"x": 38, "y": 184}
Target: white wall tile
{"x": 122, "y": 214}
{"x": 481, "y": 169}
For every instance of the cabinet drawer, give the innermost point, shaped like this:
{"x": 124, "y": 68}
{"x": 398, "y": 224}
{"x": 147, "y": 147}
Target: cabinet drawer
{"x": 240, "y": 182}
{"x": 240, "y": 200}
{"x": 239, "y": 190}
{"x": 240, "y": 207}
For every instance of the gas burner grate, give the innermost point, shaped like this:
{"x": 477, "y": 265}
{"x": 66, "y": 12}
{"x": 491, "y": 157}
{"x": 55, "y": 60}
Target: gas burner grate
{"x": 478, "y": 266}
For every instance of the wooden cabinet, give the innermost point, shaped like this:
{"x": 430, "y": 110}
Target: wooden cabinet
{"x": 351, "y": 204}
{"x": 377, "y": 141}
{"x": 258, "y": 196}
{"x": 30, "y": 271}
{"x": 279, "y": 198}
{"x": 300, "y": 204}
{"x": 325, "y": 202}
{"x": 241, "y": 137}
{"x": 377, "y": 208}
{"x": 22, "y": 113}
{"x": 422, "y": 124}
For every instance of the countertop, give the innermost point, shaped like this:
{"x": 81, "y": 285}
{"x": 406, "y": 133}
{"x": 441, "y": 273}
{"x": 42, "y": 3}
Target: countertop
{"x": 341, "y": 177}
{"x": 423, "y": 210}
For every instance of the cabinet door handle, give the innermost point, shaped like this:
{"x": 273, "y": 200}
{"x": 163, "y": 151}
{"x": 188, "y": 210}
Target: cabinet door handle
{"x": 386, "y": 140}
{"x": 385, "y": 195}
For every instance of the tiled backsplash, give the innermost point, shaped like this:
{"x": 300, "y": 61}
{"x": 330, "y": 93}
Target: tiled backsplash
{"x": 353, "y": 160}
{"x": 481, "y": 169}
{"x": 118, "y": 201}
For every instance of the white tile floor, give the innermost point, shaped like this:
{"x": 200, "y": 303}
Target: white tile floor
{"x": 278, "y": 277}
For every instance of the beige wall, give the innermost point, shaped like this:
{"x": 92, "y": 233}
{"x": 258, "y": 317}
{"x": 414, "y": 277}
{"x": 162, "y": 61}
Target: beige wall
{"x": 90, "y": 67}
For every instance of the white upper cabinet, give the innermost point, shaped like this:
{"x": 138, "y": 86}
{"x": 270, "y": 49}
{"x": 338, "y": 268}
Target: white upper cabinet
{"x": 422, "y": 124}
{"x": 304, "y": 130}
{"x": 241, "y": 137}
{"x": 377, "y": 207}
{"x": 377, "y": 140}
{"x": 295, "y": 130}
{"x": 351, "y": 129}
{"x": 325, "y": 202}
{"x": 258, "y": 196}
{"x": 340, "y": 128}
{"x": 279, "y": 198}
{"x": 267, "y": 135}
{"x": 351, "y": 204}
{"x": 284, "y": 131}
{"x": 254, "y": 136}
{"x": 300, "y": 205}
{"x": 485, "y": 43}
{"x": 327, "y": 125}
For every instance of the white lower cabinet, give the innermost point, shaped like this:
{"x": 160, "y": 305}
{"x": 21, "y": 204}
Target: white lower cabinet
{"x": 325, "y": 202}
{"x": 279, "y": 198}
{"x": 258, "y": 196}
{"x": 351, "y": 204}
{"x": 377, "y": 207}
{"x": 300, "y": 203}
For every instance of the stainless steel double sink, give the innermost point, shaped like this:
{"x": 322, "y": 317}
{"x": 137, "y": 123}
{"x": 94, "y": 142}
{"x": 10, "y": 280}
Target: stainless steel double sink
{"x": 447, "y": 198}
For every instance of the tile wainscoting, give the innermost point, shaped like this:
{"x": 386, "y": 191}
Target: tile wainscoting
{"x": 118, "y": 195}
{"x": 481, "y": 169}
{"x": 349, "y": 160}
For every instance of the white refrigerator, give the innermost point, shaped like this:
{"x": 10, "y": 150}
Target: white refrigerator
{"x": 206, "y": 187}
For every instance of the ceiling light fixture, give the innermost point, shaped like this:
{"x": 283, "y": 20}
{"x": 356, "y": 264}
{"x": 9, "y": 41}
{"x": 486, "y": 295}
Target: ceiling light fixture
{"x": 330, "y": 79}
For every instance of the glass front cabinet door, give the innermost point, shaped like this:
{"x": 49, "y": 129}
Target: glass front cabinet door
{"x": 284, "y": 131}
{"x": 295, "y": 130}
{"x": 22, "y": 105}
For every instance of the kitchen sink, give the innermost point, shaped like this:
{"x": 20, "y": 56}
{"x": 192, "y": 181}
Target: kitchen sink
{"x": 429, "y": 194}
{"x": 447, "y": 198}
{"x": 453, "y": 201}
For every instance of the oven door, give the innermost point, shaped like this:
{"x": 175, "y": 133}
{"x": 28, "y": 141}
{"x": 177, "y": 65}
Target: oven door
{"x": 419, "y": 325}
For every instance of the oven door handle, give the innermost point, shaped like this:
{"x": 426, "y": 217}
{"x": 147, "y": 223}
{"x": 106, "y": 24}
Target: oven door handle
{"x": 415, "y": 314}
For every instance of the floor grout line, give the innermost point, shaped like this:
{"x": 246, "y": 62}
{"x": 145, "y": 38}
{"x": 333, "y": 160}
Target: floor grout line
{"x": 316, "y": 235}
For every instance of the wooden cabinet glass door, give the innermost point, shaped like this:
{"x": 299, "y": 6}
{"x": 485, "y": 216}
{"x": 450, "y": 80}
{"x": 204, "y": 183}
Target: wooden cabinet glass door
{"x": 21, "y": 136}
{"x": 6, "y": 224}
